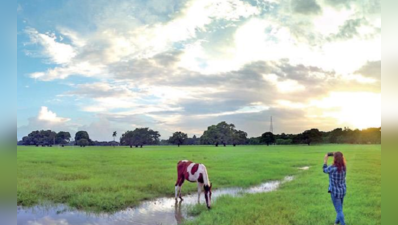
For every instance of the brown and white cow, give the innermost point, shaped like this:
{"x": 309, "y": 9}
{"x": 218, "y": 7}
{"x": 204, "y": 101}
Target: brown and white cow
{"x": 193, "y": 172}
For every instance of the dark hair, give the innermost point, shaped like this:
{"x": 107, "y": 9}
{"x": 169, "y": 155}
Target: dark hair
{"x": 339, "y": 162}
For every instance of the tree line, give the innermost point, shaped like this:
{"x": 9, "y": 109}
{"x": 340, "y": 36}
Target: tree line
{"x": 314, "y": 136}
{"x": 50, "y": 138}
{"x": 220, "y": 134}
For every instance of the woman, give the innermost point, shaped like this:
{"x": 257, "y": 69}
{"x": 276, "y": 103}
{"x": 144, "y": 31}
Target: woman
{"x": 337, "y": 183}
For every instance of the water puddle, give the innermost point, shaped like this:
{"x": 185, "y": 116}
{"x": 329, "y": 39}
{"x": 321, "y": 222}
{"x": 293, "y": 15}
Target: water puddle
{"x": 304, "y": 168}
{"x": 160, "y": 211}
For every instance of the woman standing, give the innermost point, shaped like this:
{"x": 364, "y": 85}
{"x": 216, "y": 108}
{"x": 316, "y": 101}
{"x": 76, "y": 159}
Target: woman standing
{"x": 337, "y": 182}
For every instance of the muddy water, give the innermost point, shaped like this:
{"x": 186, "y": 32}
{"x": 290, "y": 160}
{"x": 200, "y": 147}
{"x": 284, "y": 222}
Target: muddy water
{"x": 155, "y": 212}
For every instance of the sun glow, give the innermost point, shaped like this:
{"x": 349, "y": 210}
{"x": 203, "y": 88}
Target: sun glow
{"x": 356, "y": 110}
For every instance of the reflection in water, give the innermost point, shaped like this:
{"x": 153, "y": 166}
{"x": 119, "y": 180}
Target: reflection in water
{"x": 178, "y": 214}
{"x": 159, "y": 211}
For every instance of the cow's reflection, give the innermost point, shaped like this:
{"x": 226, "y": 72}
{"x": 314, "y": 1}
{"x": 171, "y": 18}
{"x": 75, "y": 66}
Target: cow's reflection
{"x": 178, "y": 214}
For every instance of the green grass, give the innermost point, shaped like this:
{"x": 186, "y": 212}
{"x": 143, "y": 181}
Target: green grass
{"x": 109, "y": 179}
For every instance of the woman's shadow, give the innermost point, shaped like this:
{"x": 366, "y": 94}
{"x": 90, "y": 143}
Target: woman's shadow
{"x": 177, "y": 213}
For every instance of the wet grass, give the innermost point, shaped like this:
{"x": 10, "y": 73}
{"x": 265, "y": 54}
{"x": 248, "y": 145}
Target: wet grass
{"x": 106, "y": 179}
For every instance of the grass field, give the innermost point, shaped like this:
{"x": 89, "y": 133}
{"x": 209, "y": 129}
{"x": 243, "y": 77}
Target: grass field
{"x": 109, "y": 179}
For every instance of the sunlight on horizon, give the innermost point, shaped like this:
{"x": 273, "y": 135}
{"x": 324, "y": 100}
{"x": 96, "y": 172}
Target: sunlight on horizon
{"x": 356, "y": 110}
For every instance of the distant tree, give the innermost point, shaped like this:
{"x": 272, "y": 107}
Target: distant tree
{"x": 335, "y": 135}
{"x": 82, "y": 135}
{"x": 164, "y": 142}
{"x": 43, "y": 138}
{"x": 312, "y": 136}
{"x": 195, "y": 140}
{"x": 239, "y": 137}
{"x": 82, "y": 142}
{"x": 211, "y": 136}
{"x": 371, "y": 135}
{"x": 281, "y": 141}
{"x": 354, "y": 136}
{"x": 127, "y": 138}
{"x": 298, "y": 139}
{"x": 284, "y": 136}
{"x": 226, "y": 132}
{"x": 254, "y": 141}
{"x": 140, "y": 137}
{"x": 267, "y": 138}
{"x": 114, "y": 136}
{"x": 62, "y": 138}
{"x": 192, "y": 141}
{"x": 178, "y": 138}
{"x": 221, "y": 133}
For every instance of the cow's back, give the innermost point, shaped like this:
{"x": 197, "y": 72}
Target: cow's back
{"x": 182, "y": 168}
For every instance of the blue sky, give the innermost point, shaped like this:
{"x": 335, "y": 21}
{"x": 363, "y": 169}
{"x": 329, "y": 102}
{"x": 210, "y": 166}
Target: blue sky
{"x": 173, "y": 66}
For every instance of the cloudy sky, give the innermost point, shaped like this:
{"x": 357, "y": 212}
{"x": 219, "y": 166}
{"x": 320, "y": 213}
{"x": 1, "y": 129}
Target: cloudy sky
{"x": 104, "y": 65}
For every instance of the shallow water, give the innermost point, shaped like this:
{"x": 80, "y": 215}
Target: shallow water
{"x": 155, "y": 212}
{"x": 304, "y": 168}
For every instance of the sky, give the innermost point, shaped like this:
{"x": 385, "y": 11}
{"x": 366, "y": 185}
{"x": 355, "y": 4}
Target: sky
{"x": 104, "y": 65}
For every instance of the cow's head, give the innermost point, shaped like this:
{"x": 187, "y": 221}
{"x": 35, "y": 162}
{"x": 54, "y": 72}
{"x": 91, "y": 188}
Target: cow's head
{"x": 208, "y": 195}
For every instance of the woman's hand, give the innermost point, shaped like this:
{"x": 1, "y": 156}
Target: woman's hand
{"x": 326, "y": 159}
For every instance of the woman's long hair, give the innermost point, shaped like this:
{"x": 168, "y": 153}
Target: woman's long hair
{"x": 339, "y": 162}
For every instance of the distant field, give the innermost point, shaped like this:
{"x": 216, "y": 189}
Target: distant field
{"x": 109, "y": 179}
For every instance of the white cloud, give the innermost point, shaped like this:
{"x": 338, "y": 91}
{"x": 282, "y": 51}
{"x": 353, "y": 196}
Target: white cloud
{"x": 58, "y": 53}
{"x": 46, "y": 120}
{"x": 73, "y": 36}
{"x": 244, "y": 110}
{"x": 49, "y": 116}
{"x": 331, "y": 20}
{"x": 284, "y": 86}
{"x": 290, "y": 104}
{"x": 269, "y": 37}
{"x": 92, "y": 54}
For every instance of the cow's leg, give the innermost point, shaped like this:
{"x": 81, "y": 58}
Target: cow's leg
{"x": 200, "y": 188}
{"x": 180, "y": 187}
{"x": 177, "y": 188}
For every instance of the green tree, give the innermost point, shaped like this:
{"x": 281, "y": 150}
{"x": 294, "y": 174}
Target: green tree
{"x": 371, "y": 135}
{"x": 267, "y": 138}
{"x": 82, "y": 142}
{"x": 254, "y": 141}
{"x": 62, "y": 138}
{"x": 239, "y": 137}
{"x": 312, "y": 136}
{"x": 335, "y": 135}
{"x": 221, "y": 133}
{"x": 114, "y": 135}
{"x": 226, "y": 132}
{"x": 43, "y": 138}
{"x": 211, "y": 136}
{"x": 283, "y": 141}
{"x": 82, "y": 135}
{"x": 178, "y": 138}
{"x": 140, "y": 137}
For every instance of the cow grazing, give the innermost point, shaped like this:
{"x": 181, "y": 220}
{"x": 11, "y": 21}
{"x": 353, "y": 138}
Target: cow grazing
{"x": 193, "y": 172}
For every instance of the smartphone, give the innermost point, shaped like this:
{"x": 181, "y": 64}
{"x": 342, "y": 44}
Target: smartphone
{"x": 330, "y": 154}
